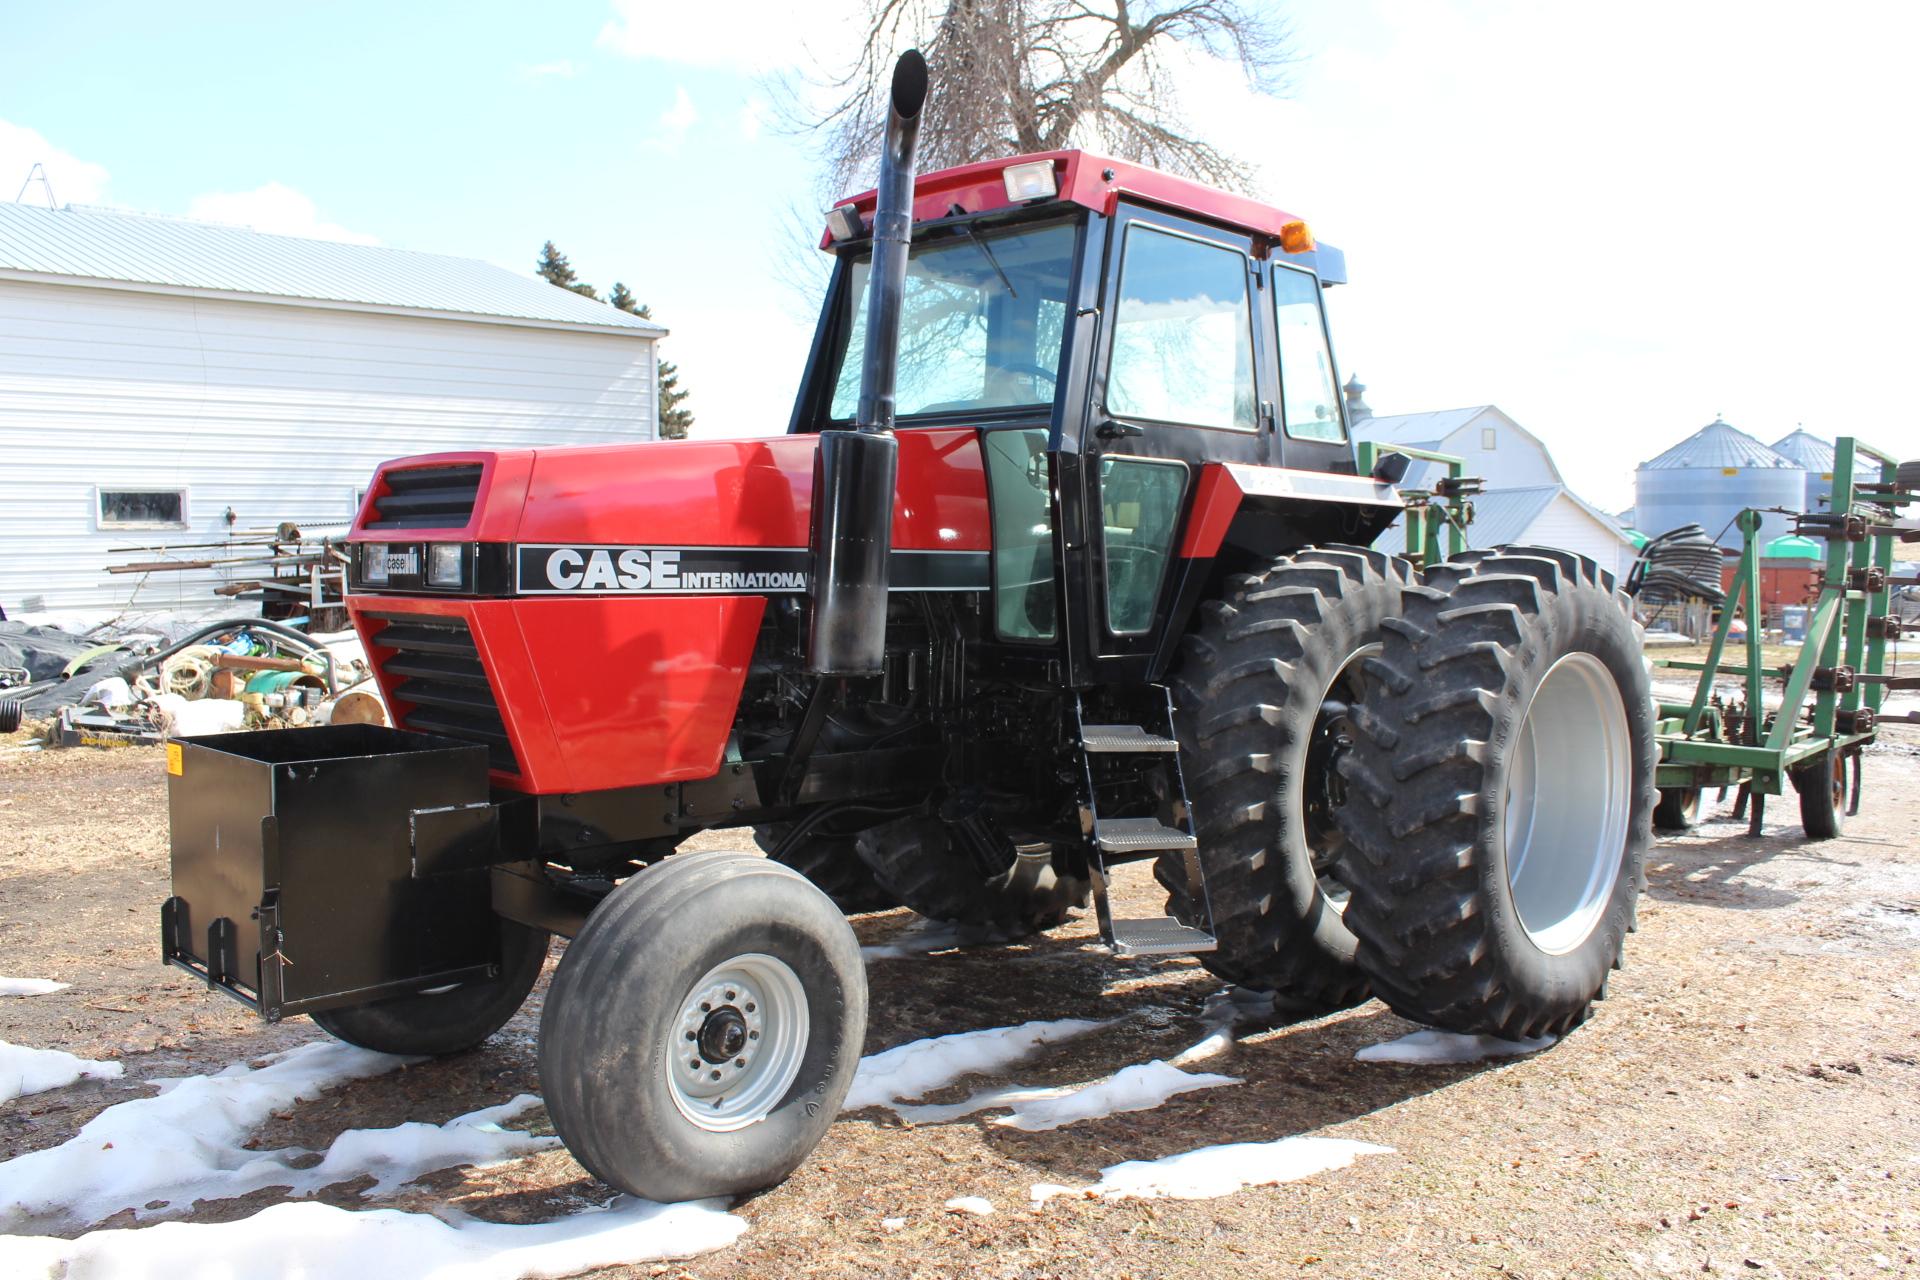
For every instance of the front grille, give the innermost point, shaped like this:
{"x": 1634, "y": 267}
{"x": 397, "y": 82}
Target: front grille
{"x": 436, "y": 669}
{"x": 427, "y": 498}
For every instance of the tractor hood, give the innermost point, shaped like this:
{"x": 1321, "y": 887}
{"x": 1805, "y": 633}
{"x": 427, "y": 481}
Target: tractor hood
{"x": 669, "y": 494}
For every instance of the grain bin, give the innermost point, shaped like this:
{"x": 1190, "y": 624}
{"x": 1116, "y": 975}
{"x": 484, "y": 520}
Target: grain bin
{"x": 1709, "y": 478}
{"x": 1815, "y": 456}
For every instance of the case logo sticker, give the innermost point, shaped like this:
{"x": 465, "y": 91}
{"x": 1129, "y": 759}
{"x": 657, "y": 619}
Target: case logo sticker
{"x": 545, "y": 569}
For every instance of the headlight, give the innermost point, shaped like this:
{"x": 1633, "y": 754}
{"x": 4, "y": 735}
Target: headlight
{"x": 446, "y": 564}
{"x": 373, "y": 561}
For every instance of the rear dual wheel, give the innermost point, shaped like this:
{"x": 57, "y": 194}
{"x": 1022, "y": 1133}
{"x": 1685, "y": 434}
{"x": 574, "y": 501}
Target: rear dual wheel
{"x": 1501, "y": 796}
{"x": 1270, "y": 683}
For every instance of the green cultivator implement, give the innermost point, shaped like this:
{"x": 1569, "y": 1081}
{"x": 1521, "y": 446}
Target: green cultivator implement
{"x": 1812, "y": 734}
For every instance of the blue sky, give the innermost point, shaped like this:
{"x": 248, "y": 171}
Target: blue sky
{"x": 1612, "y": 221}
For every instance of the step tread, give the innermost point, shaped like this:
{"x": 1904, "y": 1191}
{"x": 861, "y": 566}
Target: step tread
{"x": 1159, "y": 935}
{"x": 1135, "y": 835}
{"x": 1123, "y": 738}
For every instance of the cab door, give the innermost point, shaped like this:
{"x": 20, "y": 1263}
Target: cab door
{"x": 1184, "y": 377}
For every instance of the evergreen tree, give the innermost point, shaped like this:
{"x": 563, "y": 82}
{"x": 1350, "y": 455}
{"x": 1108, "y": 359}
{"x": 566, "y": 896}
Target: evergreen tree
{"x": 553, "y": 265}
{"x": 674, "y": 420}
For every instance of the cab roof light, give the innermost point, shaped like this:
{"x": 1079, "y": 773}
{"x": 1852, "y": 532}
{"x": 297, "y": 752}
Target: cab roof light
{"x": 843, "y": 223}
{"x": 1033, "y": 180}
{"x": 1296, "y": 237}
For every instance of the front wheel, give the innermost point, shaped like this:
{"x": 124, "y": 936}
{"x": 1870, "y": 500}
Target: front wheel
{"x": 1503, "y": 794}
{"x": 704, "y": 1027}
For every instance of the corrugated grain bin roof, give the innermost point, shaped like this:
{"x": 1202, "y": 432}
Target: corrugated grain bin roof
{"x": 1719, "y": 445}
{"x": 1805, "y": 449}
{"x": 106, "y": 247}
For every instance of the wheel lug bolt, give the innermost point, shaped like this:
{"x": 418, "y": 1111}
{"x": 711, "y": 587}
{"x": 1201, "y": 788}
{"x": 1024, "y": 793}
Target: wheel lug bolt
{"x": 716, "y": 1075}
{"x": 705, "y": 1007}
{"x": 739, "y": 1062}
{"x": 753, "y": 1035}
{"x": 729, "y": 995}
{"x": 692, "y": 1035}
{"x": 749, "y": 1006}
{"x": 694, "y": 1063}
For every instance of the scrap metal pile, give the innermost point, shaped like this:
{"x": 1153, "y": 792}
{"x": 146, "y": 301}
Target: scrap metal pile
{"x": 243, "y": 673}
{"x": 292, "y": 572}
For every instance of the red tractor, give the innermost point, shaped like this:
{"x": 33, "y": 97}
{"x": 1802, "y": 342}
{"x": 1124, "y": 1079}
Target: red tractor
{"x": 1063, "y": 562}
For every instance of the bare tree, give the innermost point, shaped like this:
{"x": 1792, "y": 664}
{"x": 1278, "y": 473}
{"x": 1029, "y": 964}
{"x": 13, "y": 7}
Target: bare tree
{"x": 1013, "y": 76}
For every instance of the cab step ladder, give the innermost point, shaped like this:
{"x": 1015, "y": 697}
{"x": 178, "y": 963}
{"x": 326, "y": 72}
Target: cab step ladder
{"x": 1128, "y": 839}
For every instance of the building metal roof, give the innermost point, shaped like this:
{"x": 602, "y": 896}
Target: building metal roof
{"x": 1719, "y": 445}
{"x": 1419, "y": 430}
{"x": 1505, "y": 515}
{"x": 112, "y": 249}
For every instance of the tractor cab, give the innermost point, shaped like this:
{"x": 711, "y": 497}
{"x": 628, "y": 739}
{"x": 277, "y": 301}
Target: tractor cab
{"x": 1118, "y": 337}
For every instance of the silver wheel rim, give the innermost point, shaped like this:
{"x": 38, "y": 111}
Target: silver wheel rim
{"x": 1568, "y": 798}
{"x": 738, "y": 1042}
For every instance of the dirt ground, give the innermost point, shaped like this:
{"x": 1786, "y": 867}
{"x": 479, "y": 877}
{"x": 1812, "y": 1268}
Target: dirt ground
{"x": 1746, "y": 1102}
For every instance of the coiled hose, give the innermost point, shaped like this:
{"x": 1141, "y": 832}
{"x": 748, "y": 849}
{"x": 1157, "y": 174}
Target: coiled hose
{"x": 1680, "y": 565}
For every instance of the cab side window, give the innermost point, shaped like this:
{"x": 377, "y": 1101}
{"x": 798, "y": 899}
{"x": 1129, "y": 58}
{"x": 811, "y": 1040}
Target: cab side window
{"x": 1309, "y": 397}
{"x": 1182, "y": 333}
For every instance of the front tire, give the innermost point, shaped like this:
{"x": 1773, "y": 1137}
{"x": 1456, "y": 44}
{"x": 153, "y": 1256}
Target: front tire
{"x": 703, "y": 1029}
{"x": 432, "y": 1023}
{"x": 1503, "y": 797}
{"x": 1269, "y": 684}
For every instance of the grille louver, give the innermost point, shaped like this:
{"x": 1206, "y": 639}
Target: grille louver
{"x": 436, "y": 668}
{"x": 427, "y": 498}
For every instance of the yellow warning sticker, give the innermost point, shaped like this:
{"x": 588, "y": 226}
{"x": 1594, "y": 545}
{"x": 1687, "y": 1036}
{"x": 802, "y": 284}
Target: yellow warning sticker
{"x": 175, "y": 765}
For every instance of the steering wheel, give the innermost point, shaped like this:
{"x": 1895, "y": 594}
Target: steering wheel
{"x": 1021, "y": 366}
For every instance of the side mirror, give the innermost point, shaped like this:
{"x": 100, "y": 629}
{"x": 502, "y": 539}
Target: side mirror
{"x": 1391, "y": 468}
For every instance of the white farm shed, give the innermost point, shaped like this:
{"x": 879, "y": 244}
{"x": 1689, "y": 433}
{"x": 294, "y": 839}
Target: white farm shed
{"x": 1525, "y": 501}
{"x": 165, "y": 381}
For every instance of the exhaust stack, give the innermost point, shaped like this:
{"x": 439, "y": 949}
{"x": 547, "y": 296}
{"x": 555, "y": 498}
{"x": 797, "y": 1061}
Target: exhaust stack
{"x": 853, "y": 471}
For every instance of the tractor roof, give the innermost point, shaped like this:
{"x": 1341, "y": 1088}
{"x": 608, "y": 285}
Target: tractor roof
{"x": 1099, "y": 183}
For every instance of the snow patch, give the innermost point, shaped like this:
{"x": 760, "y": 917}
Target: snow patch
{"x": 33, "y": 1071}
{"x": 979, "y": 1206}
{"x": 1431, "y": 1045}
{"x": 398, "y": 1155}
{"x": 892, "y": 1224}
{"x": 31, "y": 986}
{"x": 1137, "y": 1088}
{"x": 183, "y": 1145}
{"x": 917, "y": 1069}
{"x": 320, "y": 1242}
{"x": 24, "y": 1070}
{"x": 1211, "y": 1172}
{"x": 924, "y": 936}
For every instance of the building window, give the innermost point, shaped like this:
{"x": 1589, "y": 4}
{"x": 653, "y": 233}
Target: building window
{"x": 1488, "y": 438}
{"x": 140, "y": 508}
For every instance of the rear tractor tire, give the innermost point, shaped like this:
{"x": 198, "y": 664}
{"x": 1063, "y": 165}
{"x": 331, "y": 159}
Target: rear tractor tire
{"x": 832, "y": 864}
{"x": 926, "y": 864}
{"x": 452, "y": 1020}
{"x": 703, "y": 1029}
{"x": 1502, "y": 796}
{"x": 1270, "y": 684}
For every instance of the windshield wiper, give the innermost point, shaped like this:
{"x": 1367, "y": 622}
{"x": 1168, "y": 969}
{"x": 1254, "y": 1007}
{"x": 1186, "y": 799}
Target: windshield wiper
{"x": 992, "y": 261}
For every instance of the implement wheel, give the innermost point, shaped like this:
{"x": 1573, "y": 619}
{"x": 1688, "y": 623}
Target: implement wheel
{"x": 703, "y": 1028}
{"x": 1822, "y": 785}
{"x": 452, "y": 1019}
{"x": 1270, "y": 685}
{"x": 1678, "y": 810}
{"x": 1502, "y": 796}
{"x": 833, "y": 865}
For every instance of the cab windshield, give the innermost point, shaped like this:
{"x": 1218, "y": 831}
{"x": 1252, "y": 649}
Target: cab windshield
{"x": 982, "y": 321}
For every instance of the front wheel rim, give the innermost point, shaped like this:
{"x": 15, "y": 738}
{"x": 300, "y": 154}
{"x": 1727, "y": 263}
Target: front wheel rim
{"x": 737, "y": 1044}
{"x": 1568, "y": 803}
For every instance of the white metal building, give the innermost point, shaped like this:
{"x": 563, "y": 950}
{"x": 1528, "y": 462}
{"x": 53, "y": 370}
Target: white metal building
{"x": 1526, "y": 499}
{"x": 173, "y": 381}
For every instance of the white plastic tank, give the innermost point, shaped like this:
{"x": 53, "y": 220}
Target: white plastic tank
{"x": 1709, "y": 478}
